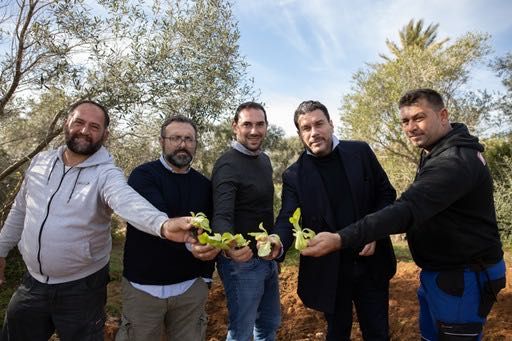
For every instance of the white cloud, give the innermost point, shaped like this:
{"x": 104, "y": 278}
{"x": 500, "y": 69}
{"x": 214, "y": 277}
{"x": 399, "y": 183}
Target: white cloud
{"x": 312, "y": 48}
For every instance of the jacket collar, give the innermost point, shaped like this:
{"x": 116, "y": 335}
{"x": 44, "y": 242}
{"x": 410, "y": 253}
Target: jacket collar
{"x": 101, "y": 156}
{"x": 312, "y": 190}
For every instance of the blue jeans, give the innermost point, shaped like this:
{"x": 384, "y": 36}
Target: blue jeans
{"x": 252, "y": 294}
{"x": 456, "y": 303}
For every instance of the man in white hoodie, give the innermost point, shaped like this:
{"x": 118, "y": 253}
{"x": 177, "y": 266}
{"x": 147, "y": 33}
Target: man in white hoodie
{"x": 60, "y": 221}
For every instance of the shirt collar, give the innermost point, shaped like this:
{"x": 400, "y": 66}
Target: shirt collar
{"x": 166, "y": 165}
{"x": 335, "y": 142}
{"x": 242, "y": 149}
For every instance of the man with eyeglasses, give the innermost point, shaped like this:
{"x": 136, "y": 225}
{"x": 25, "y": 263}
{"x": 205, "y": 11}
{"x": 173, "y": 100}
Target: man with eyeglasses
{"x": 165, "y": 284}
{"x": 243, "y": 195}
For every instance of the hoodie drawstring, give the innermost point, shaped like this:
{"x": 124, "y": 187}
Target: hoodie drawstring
{"x": 51, "y": 170}
{"x": 74, "y": 185}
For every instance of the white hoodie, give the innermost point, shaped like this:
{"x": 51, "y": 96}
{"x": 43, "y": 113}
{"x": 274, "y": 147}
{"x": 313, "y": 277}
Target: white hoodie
{"x": 61, "y": 216}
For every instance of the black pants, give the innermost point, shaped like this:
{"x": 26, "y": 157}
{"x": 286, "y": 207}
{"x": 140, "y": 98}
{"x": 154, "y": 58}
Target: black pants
{"x": 76, "y": 310}
{"x": 371, "y": 301}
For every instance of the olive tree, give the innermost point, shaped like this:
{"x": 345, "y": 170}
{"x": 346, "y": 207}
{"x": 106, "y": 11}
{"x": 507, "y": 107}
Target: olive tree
{"x": 370, "y": 111}
{"x": 143, "y": 60}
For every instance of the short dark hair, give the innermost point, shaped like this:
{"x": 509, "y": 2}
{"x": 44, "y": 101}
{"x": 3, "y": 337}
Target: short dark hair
{"x": 412, "y": 97}
{"x": 177, "y": 118}
{"x": 75, "y": 105}
{"x": 249, "y": 105}
{"x": 309, "y": 106}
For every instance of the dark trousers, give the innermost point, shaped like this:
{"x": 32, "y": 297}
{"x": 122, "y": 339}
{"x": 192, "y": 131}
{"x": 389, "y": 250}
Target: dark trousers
{"x": 76, "y": 310}
{"x": 371, "y": 301}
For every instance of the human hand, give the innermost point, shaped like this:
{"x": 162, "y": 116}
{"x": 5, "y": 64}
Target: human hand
{"x": 368, "y": 249}
{"x": 2, "y": 270}
{"x": 322, "y": 244}
{"x": 239, "y": 255}
{"x": 276, "y": 246}
{"x": 204, "y": 252}
{"x": 179, "y": 230}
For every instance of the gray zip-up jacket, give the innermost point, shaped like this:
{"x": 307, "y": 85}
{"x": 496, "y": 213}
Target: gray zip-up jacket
{"x": 61, "y": 216}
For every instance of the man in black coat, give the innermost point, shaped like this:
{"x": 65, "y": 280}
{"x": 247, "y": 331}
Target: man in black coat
{"x": 335, "y": 183}
{"x": 449, "y": 216}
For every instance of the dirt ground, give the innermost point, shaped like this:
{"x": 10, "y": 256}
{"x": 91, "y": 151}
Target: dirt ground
{"x": 301, "y": 324}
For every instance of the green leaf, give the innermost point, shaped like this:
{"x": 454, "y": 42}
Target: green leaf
{"x": 200, "y": 220}
{"x": 301, "y": 235}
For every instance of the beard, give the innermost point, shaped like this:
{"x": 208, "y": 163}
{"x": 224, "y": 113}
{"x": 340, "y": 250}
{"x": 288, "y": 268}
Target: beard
{"x": 77, "y": 147}
{"x": 178, "y": 159}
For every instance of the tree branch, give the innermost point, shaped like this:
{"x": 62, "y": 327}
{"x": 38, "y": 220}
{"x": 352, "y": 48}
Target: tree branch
{"x": 19, "y": 56}
{"x": 51, "y": 134}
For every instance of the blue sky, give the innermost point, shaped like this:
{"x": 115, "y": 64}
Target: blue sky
{"x": 300, "y": 49}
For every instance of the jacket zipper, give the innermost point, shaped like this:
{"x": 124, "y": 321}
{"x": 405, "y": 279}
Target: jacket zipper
{"x": 64, "y": 172}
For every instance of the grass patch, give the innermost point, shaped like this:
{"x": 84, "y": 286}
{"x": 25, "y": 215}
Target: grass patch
{"x": 114, "y": 298}
{"x": 402, "y": 252}
{"x": 15, "y": 268}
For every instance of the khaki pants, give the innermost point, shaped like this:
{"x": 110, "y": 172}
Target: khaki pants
{"x": 180, "y": 318}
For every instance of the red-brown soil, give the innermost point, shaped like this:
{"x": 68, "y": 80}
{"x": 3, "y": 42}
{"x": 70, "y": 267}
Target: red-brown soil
{"x": 301, "y": 324}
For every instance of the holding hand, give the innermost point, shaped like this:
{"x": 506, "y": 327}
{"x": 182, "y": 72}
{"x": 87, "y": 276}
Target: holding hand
{"x": 239, "y": 255}
{"x": 178, "y": 230}
{"x": 275, "y": 243}
{"x": 322, "y": 244}
{"x": 368, "y": 249}
{"x": 204, "y": 252}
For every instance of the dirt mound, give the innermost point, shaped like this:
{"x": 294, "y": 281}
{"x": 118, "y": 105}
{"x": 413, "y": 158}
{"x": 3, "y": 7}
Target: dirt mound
{"x": 302, "y": 324}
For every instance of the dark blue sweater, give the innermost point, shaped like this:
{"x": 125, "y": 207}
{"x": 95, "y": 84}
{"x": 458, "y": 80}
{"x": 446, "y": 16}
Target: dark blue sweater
{"x": 152, "y": 260}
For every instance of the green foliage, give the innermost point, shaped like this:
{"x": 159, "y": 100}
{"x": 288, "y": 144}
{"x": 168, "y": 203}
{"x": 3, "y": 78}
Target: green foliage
{"x": 213, "y": 141}
{"x": 283, "y": 153}
{"x": 502, "y": 200}
{"x": 10, "y": 187}
{"x": 370, "y": 110}
{"x": 402, "y": 252}
{"x": 414, "y": 36}
{"x": 114, "y": 296}
{"x": 14, "y": 271}
{"x": 498, "y": 154}
{"x": 497, "y": 150}
{"x": 503, "y": 68}
{"x": 142, "y": 60}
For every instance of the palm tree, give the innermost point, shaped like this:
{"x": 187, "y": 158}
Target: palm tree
{"x": 413, "y": 35}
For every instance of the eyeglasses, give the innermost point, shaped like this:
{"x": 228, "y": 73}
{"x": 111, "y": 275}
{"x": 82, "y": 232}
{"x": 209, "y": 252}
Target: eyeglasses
{"x": 176, "y": 139}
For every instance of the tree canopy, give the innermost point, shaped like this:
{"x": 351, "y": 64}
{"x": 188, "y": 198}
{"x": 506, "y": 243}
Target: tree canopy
{"x": 369, "y": 110}
{"x": 143, "y": 60}
{"x": 503, "y": 68}
{"x": 414, "y": 36}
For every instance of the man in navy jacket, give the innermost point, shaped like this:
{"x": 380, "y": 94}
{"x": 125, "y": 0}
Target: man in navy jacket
{"x": 165, "y": 284}
{"x": 335, "y": 183}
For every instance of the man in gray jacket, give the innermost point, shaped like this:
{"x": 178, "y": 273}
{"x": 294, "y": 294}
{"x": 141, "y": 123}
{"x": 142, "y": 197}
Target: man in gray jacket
{"x": 61, "y": 222}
